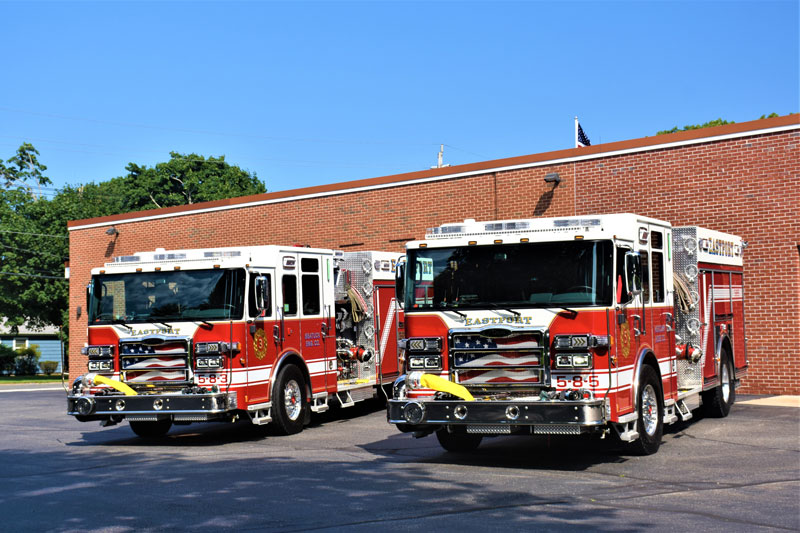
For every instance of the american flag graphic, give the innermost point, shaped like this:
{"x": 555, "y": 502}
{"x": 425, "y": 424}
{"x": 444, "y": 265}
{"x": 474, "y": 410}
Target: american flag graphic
{"x": 147, "y": 363}
{"x": 479, "y": 342}
{"x": 482, "y": 360}
{"x": 488, "y": 377}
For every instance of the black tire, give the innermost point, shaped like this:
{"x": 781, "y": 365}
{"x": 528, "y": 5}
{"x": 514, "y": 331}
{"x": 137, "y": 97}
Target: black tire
{"x": 458, "y": 440}
{"x": 151, "y": 430}
{"x": 717, "y": 402}
{"x": 290, "y": 403}
{"x": 650, "y": 408}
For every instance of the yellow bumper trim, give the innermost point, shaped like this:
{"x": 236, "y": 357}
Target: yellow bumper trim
{"x": 429, "y": 381}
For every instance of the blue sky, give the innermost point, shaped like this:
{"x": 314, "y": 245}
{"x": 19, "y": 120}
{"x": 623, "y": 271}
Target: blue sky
{"x": 308, "y": 93}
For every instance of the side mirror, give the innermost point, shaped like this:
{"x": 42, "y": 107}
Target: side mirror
{"x": 262, "y": 293}
{"x": 89, "y": 294}
{"x": 633, "y": 272}
{"x": 400, "y": 281}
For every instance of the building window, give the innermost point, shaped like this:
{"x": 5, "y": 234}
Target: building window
{"x": 20, "y": 343}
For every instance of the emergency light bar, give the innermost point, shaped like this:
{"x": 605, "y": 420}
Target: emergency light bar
{"x": 471, "y": 227}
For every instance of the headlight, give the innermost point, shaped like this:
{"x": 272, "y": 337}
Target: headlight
{"x": 427, "y": 344}
{"x": 101, "y": 366}
{"x": 574, "y": 360}
{"x": 216, "y": 347}
{"x": 206, "y": 362}
{"x": 565, "y": 342}
{"x": 430, "y": 362}
{"x": 98, "y": 351}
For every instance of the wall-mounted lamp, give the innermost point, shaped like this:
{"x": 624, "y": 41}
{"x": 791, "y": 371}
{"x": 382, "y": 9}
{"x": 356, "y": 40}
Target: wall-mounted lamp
{"x": 552, "y": 177}
{"x": 112, "y": 231}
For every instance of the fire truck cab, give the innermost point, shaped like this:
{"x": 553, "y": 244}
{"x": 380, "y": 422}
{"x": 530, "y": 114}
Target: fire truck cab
{"x": 608, "y": 324}
{"x": 267, "y": 332}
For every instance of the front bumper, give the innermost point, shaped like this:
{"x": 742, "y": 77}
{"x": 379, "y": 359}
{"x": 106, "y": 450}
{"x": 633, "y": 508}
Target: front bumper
{"x": 144, "y": 407}
{"x": 543, "y": 416}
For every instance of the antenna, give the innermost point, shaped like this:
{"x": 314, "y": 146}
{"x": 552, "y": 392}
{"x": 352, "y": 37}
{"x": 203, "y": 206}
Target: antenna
{"x": 439, "y": 160}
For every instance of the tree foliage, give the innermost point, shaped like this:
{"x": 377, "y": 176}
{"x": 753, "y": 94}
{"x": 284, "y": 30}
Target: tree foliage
{"x": 34, "y": 240}
{"x": 709, "y": 124}
{"x": 185, "y": 179}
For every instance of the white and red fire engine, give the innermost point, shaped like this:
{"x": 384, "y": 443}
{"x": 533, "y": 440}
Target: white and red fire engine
{"x": 211, "y": 334}
{"x": 610, "y": 323}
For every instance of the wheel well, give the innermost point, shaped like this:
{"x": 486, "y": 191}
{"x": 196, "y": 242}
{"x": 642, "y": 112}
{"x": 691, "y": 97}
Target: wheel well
{"x": 296, "y": 360}
{"x": 725, "y": 345}
{"x": 647, "y": 359}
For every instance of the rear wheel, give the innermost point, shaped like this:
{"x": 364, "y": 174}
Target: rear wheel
{"x": 290, "y": 403}
{"x": 458, "y": 440}
{"x": 650, "y": 405}
{"x": 150, "y": 430}
{"x": 717, "y": 402}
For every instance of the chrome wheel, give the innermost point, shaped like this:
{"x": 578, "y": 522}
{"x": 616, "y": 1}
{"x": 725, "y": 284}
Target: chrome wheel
{"x": 292, "y": 399}
{"x": 649, "y": 410}
{"x": 725, "y": 378}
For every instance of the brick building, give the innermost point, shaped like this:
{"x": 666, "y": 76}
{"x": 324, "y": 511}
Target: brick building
{"x": 739, "y": 178}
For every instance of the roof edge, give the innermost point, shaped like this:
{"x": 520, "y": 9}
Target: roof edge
{"x": 558, "y": 156}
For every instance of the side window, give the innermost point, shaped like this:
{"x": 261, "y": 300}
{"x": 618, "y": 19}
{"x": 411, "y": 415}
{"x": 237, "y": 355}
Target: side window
{"x": 289, "y": 288}
{"x": 252, "y": 311}
{"x": 310, "y": 282}
{"x": 658, "y": 277}
{"x": 645, "y": 276}
{"x": 622, "y": 282}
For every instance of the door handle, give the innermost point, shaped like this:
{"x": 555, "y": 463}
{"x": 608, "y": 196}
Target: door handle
{"x": 637, "y": 324}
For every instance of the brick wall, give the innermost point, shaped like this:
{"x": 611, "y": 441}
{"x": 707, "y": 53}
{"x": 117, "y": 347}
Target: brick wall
{"x": 748, "y": 186}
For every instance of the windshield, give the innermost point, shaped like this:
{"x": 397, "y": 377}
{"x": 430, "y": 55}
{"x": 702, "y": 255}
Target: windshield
{"x": 548, "y": 274}
{"x": 167, "y": 296}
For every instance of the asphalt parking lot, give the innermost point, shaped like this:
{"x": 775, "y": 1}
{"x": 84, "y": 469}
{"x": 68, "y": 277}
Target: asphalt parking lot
{"x": 351, "y": 471}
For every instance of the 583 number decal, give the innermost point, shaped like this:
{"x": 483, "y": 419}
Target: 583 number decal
{"x": 212, "y": 379}
{"x": 577, "y": 381}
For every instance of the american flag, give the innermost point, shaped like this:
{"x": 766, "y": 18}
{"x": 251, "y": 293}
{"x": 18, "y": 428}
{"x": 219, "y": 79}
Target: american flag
{"x": 480, "y": 342}
{"x": 480, "y": 377}
{"x": 583, "y": 140}
{"x": 478, "y": 351}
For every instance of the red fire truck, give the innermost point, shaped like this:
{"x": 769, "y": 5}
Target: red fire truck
{"x": 610, "y": 323}
{"x": 269, "y": 332}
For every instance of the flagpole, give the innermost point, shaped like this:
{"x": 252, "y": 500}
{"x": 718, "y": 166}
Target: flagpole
{"x": 576, "y": 131}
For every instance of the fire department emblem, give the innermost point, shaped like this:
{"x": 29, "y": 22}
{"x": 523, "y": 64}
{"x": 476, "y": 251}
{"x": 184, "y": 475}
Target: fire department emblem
{"x": 260, "y": 344}
{"x": 624, "y": 342}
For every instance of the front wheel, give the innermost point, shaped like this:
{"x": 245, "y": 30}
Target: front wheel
{"x": 717, "y": 402}
{"x": 151, "y": 430}
{"x": 290, "y": 402}
{"x": 458, "y": 440}
{"x": 650, "y": 405}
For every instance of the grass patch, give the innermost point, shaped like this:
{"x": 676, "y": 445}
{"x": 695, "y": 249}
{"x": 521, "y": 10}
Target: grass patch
{"x": 55, "y": 378}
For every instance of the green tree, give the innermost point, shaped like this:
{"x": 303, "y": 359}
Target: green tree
{"x": 34, "y": 240}
{"x": 185, "y": 179}
{"x": 709, "y": 124}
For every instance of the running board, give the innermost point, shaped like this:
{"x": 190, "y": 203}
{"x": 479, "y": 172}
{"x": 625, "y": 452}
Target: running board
{"x": 627, "y": 431}
{"x": 683, "y": 410}
{"x": 319, "y": 404}
{"x": 259, "y": 417}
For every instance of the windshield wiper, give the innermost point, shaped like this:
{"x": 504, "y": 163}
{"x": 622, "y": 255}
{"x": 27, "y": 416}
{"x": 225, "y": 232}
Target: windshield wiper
{"x": 495, "y": 306}
{"x": 121, "y": 323}
{"x": 456, "y": 311}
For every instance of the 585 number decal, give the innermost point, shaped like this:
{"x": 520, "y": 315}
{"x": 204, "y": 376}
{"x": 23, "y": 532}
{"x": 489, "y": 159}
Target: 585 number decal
{"x": 577, "y": 381}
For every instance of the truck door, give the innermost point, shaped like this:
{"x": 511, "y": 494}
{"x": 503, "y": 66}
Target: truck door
{"x": 261, "y": 350}
{"x": 628, "y": 325}
{"x": 318, "y": 339}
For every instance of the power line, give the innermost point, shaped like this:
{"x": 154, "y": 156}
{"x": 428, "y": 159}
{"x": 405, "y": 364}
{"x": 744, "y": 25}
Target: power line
{"x": 36, "y": 252}
{"x": 32, "y": 275}
{"x": 34, "y": 234}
